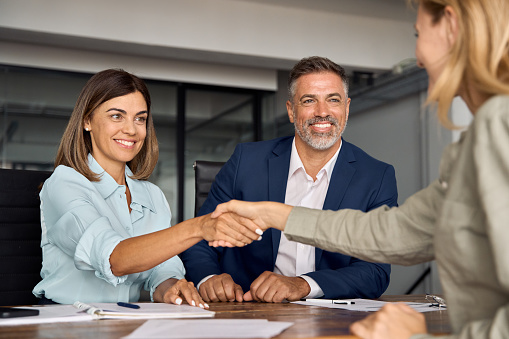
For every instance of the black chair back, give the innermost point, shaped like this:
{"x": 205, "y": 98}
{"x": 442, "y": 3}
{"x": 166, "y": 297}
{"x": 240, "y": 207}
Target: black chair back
{"x": 204, "y": 175}
{"x": 20, "y": 235}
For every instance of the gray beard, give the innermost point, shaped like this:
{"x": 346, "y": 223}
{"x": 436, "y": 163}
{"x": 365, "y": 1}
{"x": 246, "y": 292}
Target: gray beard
{"x": 319, "y": 141}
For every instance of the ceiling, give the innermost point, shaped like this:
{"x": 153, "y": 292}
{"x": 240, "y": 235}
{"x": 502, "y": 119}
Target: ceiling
{"x": 384, "y": 9}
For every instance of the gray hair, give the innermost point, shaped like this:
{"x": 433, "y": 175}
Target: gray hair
{"x": 314, "y": 64}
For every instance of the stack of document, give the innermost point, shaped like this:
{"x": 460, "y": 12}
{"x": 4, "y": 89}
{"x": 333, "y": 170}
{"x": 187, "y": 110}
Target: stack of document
{"x": 69, "y": 313}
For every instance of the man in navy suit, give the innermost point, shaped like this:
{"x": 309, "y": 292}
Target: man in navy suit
{"x": 316, "y": 169}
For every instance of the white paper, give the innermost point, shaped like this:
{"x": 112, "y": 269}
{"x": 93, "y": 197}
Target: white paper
{"x": 68, "y": 313}
{"x": 150, "y": 310}
{"x": 366, "y": 305}
{"x": 209, "y": 328}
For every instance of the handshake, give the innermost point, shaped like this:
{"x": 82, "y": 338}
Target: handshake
{"x": 239, "y": 223}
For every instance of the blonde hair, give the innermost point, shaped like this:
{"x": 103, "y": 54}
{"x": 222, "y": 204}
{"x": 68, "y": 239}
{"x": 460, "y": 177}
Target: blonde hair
{"x": 76, "y": 143}
{"x": 480, "y": 55}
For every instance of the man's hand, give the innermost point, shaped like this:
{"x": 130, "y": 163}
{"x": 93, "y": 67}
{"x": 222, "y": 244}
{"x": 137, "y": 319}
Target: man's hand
{"x": 274, "y": 288}
{"x": 229, "y": 229}
{"x": 393, "y": 321}
{"x": 221, "y": 288}
{"x": 264, "y": 214}
{"x": 172, "y": 291}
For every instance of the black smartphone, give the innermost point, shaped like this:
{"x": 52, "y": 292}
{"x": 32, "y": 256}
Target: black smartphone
{"x": 11, "y": 312}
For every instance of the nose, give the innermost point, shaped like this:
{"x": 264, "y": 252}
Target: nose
{"x": 322, "y": 109}
{"x": 129, "y": 127}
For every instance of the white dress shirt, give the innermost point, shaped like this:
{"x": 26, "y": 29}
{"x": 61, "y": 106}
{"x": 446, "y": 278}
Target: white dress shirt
{"x": 295, "y": 259}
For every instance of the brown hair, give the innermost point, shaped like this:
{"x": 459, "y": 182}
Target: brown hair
{"x": 76, "y": 144}
{"x": 480, "y": 55}
{"x": 314, "y": 64}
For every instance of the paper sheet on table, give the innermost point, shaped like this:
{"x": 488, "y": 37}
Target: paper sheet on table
{"x": 209, "y": 328}
{"x": 367, "y": 305}
{"x": 68, "y": 313}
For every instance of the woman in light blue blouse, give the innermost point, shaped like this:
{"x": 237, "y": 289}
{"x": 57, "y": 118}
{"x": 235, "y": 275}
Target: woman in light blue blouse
{"x": 105, "y": 229}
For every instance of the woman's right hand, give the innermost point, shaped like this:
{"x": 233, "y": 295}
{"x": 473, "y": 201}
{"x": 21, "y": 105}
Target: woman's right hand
{"x": 262, "y": 215}
{"x": 229, "y": 229}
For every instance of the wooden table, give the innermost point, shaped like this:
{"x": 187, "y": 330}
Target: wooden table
{"x": 309, "y": 321}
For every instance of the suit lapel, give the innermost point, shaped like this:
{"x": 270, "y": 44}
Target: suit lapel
{"x": 279, "y": 165}
{"x": 340, "y": 180}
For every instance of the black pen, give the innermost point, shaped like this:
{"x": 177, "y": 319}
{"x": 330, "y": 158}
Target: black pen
{"x": 330, "y": 301}
{"x": 122, "y": 304}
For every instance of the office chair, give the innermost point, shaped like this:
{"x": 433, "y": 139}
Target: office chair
{"x": 20, "y": 235}
{"x": 204, "y": 175}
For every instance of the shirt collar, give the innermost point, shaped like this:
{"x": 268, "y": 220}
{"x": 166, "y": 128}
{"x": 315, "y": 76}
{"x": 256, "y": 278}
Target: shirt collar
{"x": 107, "y": 185}
{"x": 296, "y": 162}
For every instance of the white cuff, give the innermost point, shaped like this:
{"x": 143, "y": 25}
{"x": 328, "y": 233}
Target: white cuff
{"x": 316, "y": 291}
{"x": 203, "y": 280}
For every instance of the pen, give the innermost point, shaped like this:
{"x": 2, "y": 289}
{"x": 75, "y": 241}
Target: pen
{"x": 331, "y": 301}
{"x": 127, "y": 305}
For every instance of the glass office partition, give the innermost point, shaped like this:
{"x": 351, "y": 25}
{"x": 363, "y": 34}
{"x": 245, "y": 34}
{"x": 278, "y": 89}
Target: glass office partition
{"x": 215, "y": 123}
{"x": 35, "y": 107}
{"x": 164, "y": 103}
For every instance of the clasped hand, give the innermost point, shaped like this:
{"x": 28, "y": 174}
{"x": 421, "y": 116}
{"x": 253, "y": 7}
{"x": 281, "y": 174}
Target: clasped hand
{"x": 250, "y": 220}
{"x": 229, "y": 230}
{"x": 268, "y": 287}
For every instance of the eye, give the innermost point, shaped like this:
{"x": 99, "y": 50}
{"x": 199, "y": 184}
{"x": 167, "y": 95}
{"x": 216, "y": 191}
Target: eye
{"x": 116, "y": 116}
{"x": 307, "y": 102}
{"x": 141, "y": 119}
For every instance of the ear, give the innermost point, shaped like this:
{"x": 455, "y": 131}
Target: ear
{"x": 452, "y": 24}
{"x": 86, "y": 124}
{"x": 347, "y": 108}
{"x": 289, "y": 109}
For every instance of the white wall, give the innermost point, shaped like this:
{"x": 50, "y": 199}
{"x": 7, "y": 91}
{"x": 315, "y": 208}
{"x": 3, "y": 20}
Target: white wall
{"x": 150, "y": 36}
{"x": 82, "y": 60}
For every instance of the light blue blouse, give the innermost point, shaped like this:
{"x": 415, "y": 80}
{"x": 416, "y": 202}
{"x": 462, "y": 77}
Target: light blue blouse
{"x": 83, "y": 221}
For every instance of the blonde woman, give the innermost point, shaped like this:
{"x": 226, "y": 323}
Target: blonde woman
{"x": 105, "y": 229}
{"x": 461, "y": 219}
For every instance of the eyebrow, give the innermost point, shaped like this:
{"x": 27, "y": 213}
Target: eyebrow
{"x": 336, "y": 94}
{"x": 124, "y": 112}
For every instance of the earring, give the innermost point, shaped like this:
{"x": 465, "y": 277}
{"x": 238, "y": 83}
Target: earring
{"x": 86, "y": 129}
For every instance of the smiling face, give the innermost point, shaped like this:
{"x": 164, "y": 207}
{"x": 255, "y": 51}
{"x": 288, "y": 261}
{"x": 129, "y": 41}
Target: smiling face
{"x": 319, "y": 110}
{"x": 432, "y": 46}
{"x": 117, "y": 131}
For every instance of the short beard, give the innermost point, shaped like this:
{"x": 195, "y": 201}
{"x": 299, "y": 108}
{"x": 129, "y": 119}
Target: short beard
{"x": 319, "y": 141}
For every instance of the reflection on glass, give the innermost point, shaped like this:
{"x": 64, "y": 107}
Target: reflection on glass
{"x": 35, "y": 107}
{"x": 215, "y": 123}
{"x": 164, "y": 108}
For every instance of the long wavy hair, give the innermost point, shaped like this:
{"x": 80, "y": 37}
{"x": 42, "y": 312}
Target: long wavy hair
{"x": 76, "y": 143}
{"x": 480, "y": 55}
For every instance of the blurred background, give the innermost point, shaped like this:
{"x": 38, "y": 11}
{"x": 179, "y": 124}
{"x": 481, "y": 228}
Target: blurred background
{"x": 217, "y": 72}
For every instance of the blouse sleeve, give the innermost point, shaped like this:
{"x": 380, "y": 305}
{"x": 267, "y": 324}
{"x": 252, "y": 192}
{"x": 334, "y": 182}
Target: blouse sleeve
{"x": 72, "y": 222}
{"x": 370, "y": 236}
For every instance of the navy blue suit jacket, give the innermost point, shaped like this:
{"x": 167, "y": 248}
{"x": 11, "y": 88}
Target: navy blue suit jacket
{"x": 258, "y": 171}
